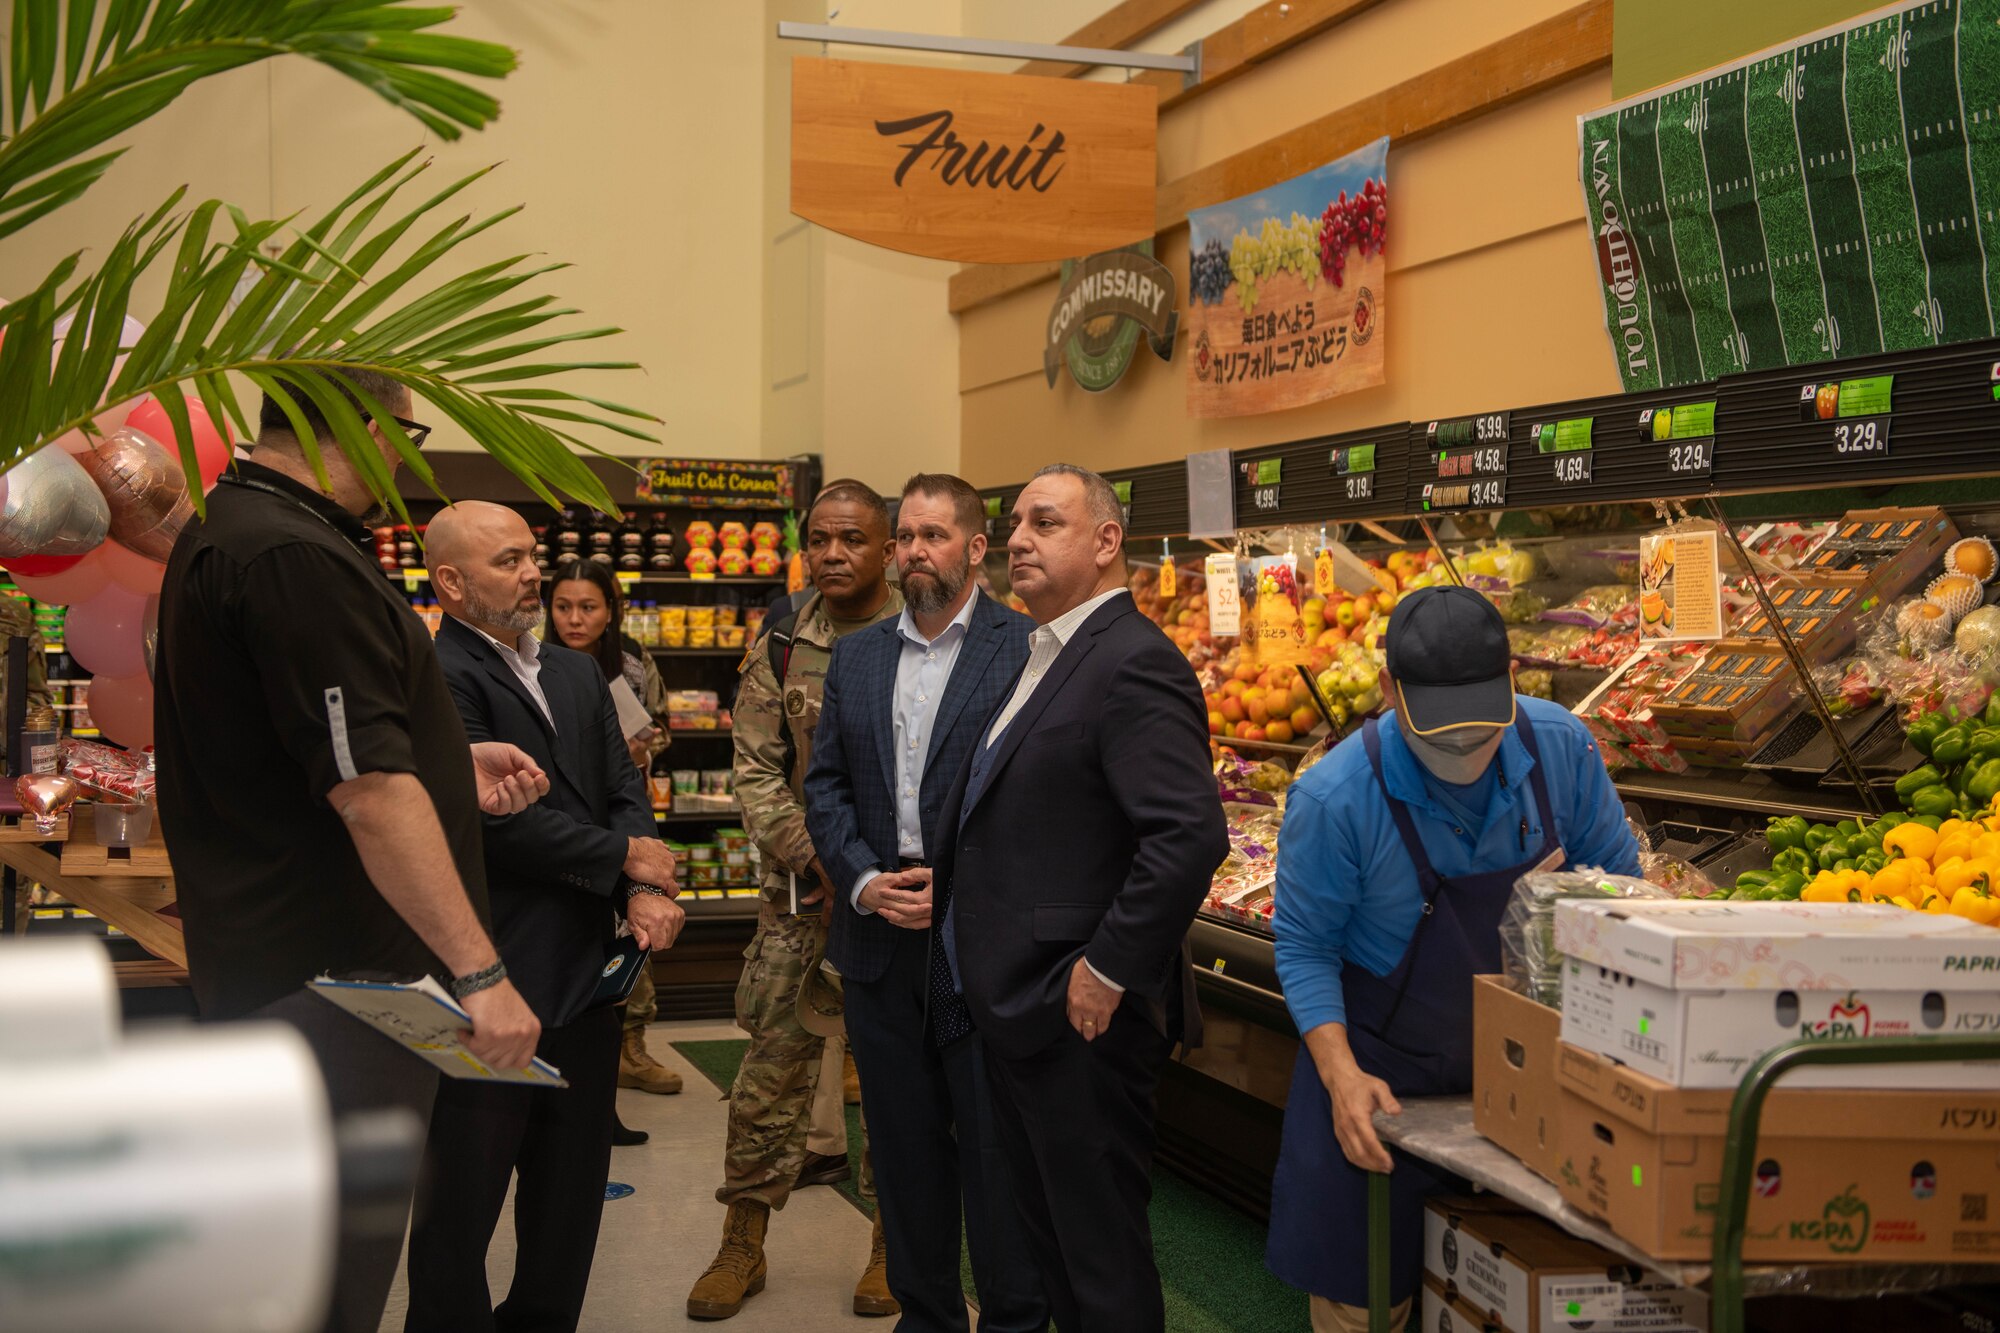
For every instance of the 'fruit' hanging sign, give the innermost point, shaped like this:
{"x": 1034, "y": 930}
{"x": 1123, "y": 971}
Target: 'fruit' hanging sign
{"x": 982, "y": 168}
{"x": 1286, "y": 290}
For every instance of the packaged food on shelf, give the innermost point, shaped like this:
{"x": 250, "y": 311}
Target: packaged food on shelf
{"x": 673, "y": 617}
{"x": 729, "y": 636}
{"x": 726, "y": 614}
{"x": 1821, "y": 611}
{"x": 701, "y": 637}
{"x": 1594, "y": 608}
{"x": 1897, "y": 548}
{"x": 1530, "y": 957}
{"x": 1735, "y": 693}
{"x": 120, "y": 775}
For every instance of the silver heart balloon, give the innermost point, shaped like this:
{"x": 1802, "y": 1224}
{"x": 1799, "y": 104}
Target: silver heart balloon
{"x": 52, "y": 507}
{"x": 145, "y": 488}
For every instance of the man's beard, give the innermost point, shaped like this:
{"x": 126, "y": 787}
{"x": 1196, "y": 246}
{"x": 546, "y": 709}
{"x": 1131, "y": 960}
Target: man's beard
{"x": 938, "y": 588}
{"x": 377, "y": 515}
{"x": 516, "y": 617}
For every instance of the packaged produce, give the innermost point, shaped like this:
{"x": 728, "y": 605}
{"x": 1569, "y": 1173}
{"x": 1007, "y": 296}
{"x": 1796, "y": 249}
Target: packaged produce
{"x": 1528, "y": 953}
{"x": 765, "y": 563}
{"x": 1597, "y": 607}
{"x": 120, "y": 775}
{"x": 1955, "y": 594}
{"x": 701, "y": 638}
{"x": 725, "y": 613}
{"x": 734, "y": 562}
{"x": 701, "y": 617}
{"x": 765, "y": 536}
{"x": 1973, "y": 557}
{"x": 733, "y": 536}
{"x": 700, "y": 533}
{"x": 699, "y": 560}
{"x": 1978, "y": 635}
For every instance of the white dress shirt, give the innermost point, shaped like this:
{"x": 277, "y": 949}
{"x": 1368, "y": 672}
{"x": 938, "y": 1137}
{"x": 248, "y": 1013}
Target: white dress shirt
{"x": 922, "y": 672}
{"x": 1044, "y": 646}
{"x": 524, "y": 660}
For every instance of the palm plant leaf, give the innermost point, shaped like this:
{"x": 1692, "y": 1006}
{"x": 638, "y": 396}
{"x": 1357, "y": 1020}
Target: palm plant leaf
{"x": 81, "y": 73}
{"x": 330, "y": 299}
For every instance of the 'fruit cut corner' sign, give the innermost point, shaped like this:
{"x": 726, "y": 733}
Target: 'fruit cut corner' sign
{"x": 1106, "y": 301}
{"x": 1286, "y": 290}
{"x": 981, "y": 168}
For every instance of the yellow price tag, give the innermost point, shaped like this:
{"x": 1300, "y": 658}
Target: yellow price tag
{"x": 1323, "y": 583}
{"x": 1167, "y": 584}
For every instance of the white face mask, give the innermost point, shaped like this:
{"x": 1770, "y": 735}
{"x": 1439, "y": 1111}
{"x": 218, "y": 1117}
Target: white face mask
{"x": 1459, "y": 756}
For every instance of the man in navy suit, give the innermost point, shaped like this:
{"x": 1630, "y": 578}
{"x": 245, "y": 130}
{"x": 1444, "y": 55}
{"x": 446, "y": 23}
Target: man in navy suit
{"x": 1083, "y": 832}
{"x": 905, "y": 702}
{"x": 559, "y": 874}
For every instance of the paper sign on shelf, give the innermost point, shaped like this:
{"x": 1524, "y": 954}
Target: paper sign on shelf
{"x": 1680, "y": 586}
{"x": 1225, "y": 605}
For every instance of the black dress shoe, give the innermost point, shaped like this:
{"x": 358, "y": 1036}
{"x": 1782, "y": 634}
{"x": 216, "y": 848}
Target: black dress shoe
{"x": 621, "y": 1137}
{"x": 819, "y": 1170}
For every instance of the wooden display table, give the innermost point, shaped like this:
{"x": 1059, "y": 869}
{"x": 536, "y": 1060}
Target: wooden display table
{"x": 125, "y": 887}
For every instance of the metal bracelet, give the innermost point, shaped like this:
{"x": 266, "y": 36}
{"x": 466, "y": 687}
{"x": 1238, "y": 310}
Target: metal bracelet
{"x": 635, "y": 888}
{"x": 484, "y": 979}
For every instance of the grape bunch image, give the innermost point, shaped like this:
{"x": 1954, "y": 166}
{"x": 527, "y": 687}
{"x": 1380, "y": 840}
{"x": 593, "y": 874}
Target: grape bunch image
{"x": 1277, "y": 248}
{"x": 1208, "y": 276}
{"x": 1353, "y": 224}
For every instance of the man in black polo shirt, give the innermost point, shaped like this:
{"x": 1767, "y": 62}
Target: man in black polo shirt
{"x": 317, "y": 792}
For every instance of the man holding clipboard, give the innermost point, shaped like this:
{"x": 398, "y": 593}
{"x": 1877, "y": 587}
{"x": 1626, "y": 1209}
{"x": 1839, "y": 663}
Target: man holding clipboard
{"x": 561, "y": 873}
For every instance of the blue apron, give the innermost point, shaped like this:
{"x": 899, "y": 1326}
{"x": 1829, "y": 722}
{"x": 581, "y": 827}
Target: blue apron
{"x": 1413, "y": 1030}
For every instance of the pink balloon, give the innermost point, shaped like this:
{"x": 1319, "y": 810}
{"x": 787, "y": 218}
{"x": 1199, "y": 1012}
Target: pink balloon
{"x": 129, "y": 570}
{"x": 76, "y": 442}
{"x": 211, "y": 449}
{"x": 107, "y": 634}
{"x": 122, "y": 708}
{"x": 79, "y": 583}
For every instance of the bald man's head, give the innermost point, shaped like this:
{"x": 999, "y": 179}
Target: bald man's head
{"x": 481, "y": 559}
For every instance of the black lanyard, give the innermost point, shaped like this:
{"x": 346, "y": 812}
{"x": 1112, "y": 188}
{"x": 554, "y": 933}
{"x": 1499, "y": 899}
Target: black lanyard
{"x": 268, "y": 489}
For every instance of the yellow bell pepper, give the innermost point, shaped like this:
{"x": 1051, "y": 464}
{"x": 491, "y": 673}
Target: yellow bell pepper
{"x": 1824, "y": 889}
{"x": 1975, "y": 904}
{"x": 1986, "y": 844}
{"x": 1937, "y": 904}
{"x": 1912, "y": 840}
{"x": 1953, "y": 847}
{"x": 1904, "y": 903}
{"x": 1977, "y": 872}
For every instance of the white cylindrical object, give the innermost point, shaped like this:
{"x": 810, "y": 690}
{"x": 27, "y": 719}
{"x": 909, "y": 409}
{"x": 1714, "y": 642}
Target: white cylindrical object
{"x": 58, "y": 1001}
{"x": 185, "y": 1181}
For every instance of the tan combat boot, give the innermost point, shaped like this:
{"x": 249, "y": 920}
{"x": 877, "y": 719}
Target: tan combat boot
{"x": 638, "y": 1069}
{"x": 737, "y": 1272}
{"x": 871, "y": 1293}
{"x": 850, "y": 1081}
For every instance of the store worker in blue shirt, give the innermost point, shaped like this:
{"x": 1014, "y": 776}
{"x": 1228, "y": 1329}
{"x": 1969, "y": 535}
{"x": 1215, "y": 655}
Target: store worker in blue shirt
{"x": 1398, "y": 854}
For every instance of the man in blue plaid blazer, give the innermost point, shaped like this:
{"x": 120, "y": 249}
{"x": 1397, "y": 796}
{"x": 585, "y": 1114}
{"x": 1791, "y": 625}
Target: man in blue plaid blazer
{"x": 905, "y": 702}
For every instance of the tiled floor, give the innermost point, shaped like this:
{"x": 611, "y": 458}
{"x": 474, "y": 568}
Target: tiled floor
{"x": 656, "y": 1241}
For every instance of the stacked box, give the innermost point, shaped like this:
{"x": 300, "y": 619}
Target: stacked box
{"x": 1734, "y": 694}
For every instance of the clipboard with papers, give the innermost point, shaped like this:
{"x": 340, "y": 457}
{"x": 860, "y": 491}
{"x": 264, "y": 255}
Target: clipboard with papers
{"x": 424, "y": 1019}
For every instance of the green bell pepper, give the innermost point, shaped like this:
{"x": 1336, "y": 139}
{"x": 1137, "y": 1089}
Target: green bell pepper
{"x": 1832, "y": 851}
{"x": 1986, "y": 743}
{"x": 1871, "y": 861}
{"x": 1754, "y": 879}
{"x": 1926, "y": 775}
{"x": 1818, "y": 834}
{"x": 1952, "y": 745}
{"x": 1847, "y": 828}
{"x": 1785, "y": 832}
{"x": 1985, "y": 783}
{"x": 1991, "y": 717}
{"x": 1924, "y": 730}
{"x": 1793, "y": 861}
{"x": 1936, "y": 801}
{"x": 1931, "y": 822}
{"x": 1790, "y": 884}
{"x": 1868, "y": 840}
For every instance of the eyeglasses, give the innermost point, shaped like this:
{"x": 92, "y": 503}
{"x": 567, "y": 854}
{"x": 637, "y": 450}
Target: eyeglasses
{"x": 418, "y": 431}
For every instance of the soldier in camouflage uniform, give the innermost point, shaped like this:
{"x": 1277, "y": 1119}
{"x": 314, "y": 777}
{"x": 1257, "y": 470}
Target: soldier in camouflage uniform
{"x": 770, "y": 1103}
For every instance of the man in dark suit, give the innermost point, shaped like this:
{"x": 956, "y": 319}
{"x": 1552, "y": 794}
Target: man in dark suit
{"x": 559, "y": 872}
{"x": 1087, "y": 830}
{"x": 905, "y": 702}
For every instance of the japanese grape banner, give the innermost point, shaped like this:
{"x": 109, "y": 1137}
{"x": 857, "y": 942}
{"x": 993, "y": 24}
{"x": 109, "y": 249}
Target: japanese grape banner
{"x": 1828, "y": 198}
{"x": 1286, "y": 290}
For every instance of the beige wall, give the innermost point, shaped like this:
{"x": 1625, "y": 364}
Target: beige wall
{"x": 1491, "y": 298}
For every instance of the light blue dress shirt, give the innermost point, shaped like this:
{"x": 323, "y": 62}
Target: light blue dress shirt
{"x": 923, "y": 670}
{"x": 1346, "y": 890}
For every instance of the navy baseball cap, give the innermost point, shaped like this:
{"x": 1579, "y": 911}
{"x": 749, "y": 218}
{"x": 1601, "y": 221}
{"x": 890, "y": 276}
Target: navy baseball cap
{"x": 1447, "y": 648}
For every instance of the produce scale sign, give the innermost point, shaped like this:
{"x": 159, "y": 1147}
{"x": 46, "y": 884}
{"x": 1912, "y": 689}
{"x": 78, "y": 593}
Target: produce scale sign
{"x": 1286, "y": 290}
{"x": 1833, "y": 197}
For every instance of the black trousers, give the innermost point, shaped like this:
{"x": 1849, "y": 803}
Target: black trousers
{"x": 559, "y": 1142}
{"x": 364, "y": 1071}
{"x": 930, "y": 1113}
{"x": 1076, "y": 1122}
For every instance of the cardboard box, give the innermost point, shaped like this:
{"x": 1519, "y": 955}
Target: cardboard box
{"x": 1440, "y": 1315}
{"x": 1879, "y": 1176}
{"x": 1735, "y": 694}
{"x": 1780, "y": 946}
{"x": 1517, "y": 1272}
{"x": 1514, "y": 1100}
{"x": 1710, "y": 1038}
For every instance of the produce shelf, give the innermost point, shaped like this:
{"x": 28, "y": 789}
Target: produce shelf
{"x": 1739, "y": 791}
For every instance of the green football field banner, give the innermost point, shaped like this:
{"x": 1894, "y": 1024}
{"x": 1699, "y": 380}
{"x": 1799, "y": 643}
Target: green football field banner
{"x": 1828, "y": 198}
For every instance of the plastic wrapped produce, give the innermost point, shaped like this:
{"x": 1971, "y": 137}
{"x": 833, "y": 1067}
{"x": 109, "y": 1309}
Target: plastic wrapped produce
{"x": 1606, "y": 604}
{"x": 1528, "y": 954}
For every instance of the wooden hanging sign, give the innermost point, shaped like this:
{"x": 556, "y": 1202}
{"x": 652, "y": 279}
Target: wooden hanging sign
{"x": 980, "y": 168}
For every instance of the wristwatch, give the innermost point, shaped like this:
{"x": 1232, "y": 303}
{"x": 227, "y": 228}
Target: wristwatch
{"x": 474, "y": 982}
{"x": 635, "y": 888}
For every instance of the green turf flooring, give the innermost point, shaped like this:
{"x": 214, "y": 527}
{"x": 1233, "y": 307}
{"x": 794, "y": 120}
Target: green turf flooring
{"x": 1211, "y": 1257}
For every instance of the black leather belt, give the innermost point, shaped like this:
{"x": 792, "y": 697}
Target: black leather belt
{"x": 913, "y": 863}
